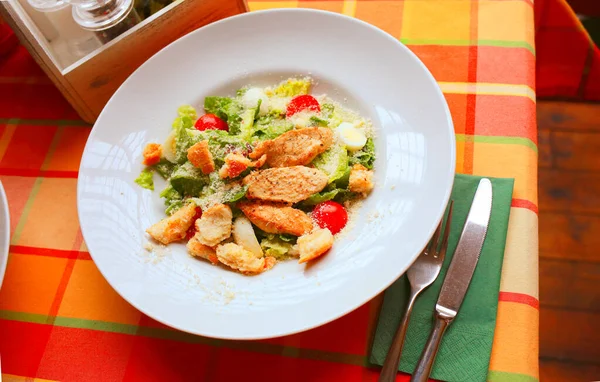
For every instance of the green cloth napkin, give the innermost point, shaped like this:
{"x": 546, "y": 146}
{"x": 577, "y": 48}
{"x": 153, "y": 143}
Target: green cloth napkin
{"x": 464, "y": 354}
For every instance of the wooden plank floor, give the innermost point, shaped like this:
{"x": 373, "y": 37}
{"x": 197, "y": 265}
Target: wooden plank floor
{"x": 569, "y": 205}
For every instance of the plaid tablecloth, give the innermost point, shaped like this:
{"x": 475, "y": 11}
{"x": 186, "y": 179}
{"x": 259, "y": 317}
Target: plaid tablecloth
{"x": 60, "y": 320}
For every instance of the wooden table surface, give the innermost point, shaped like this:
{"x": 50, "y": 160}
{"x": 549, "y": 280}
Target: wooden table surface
{"x": 569, "y": 217}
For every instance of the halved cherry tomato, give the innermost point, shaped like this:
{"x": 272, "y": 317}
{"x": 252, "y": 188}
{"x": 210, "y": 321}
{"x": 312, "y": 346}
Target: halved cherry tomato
{"x": 330, "y": 215}
{"x": 301, "y": 103}
{"x": 192, "y": 230}
{"x": 210, "y": 122}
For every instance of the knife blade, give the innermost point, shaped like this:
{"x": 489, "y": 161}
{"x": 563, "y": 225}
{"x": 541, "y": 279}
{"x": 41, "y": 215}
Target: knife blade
{"x": 459, "y": 275}
{"x": 466, "y": 256}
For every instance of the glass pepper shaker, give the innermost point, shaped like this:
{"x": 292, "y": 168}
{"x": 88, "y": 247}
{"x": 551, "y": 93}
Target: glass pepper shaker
{"x": 106, "y": 18}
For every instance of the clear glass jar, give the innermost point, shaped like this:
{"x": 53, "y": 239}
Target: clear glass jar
{"x": 106, "y": 18}
{"x": 72, "y": 42}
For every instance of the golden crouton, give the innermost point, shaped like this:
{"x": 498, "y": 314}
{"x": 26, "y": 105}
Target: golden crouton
{"x": 314, "y": 244}
{"x": 235, "y": 164}
{"x": 152, "y": 154}
{"x": 360, "y": 179}
{"x": 200, "y": 157}
{"x": 197, "y": 249}
{"x": 174, "y": 227}
{"x": 285, "y": 184}
{"x": 296, "y": 147}
{"x": 237, "y": 257}
{"x": 215, "y": 225}
{"x": 273, "y": 218}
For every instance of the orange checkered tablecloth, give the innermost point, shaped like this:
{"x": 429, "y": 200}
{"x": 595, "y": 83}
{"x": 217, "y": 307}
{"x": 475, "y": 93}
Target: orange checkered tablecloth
{"x": 60, "y": 320}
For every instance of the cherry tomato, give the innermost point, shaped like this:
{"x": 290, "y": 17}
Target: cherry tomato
{"x": 210, "y": 122}
{"x": 192, "y": 230}
{"x": 302, "y": 102}
{"x": 330, "y": 215}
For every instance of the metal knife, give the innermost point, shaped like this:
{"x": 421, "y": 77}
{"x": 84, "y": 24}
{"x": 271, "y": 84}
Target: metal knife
{"x": 459, "y": 275}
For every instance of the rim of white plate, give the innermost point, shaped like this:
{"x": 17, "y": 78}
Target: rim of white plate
{"x": 342, "y": 312}
{"x": 5, "y": 234}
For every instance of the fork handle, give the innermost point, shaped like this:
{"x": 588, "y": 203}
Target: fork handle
{"x": 421, "y": 373}
{"x": 392, "y": 360}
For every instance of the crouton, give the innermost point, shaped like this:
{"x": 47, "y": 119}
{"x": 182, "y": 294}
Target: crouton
{"x": 236, "y": 257}
{"x": 313, "y": 245}
{"x": 200, "y": 157}
{"x": 197, "y": 249}
{"x": 360, "y": 179}
{"x": 152, "y": 154}
{"x": 174, "y": 227}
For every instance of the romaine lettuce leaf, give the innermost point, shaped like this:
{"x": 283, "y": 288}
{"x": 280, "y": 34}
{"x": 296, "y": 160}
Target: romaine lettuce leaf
{"x": 269, "y": 127}
{"x": 228, "y": 109}
{"x": 145, "y": 179}
{"x": 184, "y": 139}
{"x": 274, "y": 246}
{"x": 173, "y": 199}
{"x": 187, "y": 111}
{"x": 164, "y": 168}
{"x": 188, "y": 180}
{"x": 316, "y": 121}
{"x": 293, "y": 87}
{"x": 183, "y": 122}
{"x": 327, "y": 110}
{"x": 364, "y": 156}
{"x": 321, "y": 197}
{"x": 334, "y": 162}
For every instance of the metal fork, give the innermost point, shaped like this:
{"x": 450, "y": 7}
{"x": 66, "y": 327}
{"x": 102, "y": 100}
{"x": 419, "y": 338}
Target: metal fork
{"x": 421, "y": 274}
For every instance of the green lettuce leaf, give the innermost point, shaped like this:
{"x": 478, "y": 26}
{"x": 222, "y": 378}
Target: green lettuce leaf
{"x": 293, "y": 87}
{"x": 269, "y": 127}
{"x": 327, "y": 110}
{"x": 228, "y": 109}
{"x": 183, "y": 122}
{"x": 145, "y": 179}
{"x": 316, "y": 121}
{"x": 173, "y": 199}
{"x": 235, "y": 195}
{"x": 365, "y": 156}
{"x": 274, "y": 246}
{"x": 333, "y": 162}
{"x": 321, "y": 197}
{"x": 188, "y": 180}
{"x": 164, "y": 168}
{"x": 187, "y": 111}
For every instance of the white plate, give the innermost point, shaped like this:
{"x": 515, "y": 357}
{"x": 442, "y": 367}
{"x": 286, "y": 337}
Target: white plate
{"x": 4, "y": 232}
{"x": 350, "y": 60}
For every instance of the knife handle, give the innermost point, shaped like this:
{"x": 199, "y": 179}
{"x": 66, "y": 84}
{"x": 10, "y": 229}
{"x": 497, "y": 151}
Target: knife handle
{"x": 423, "y": 369}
